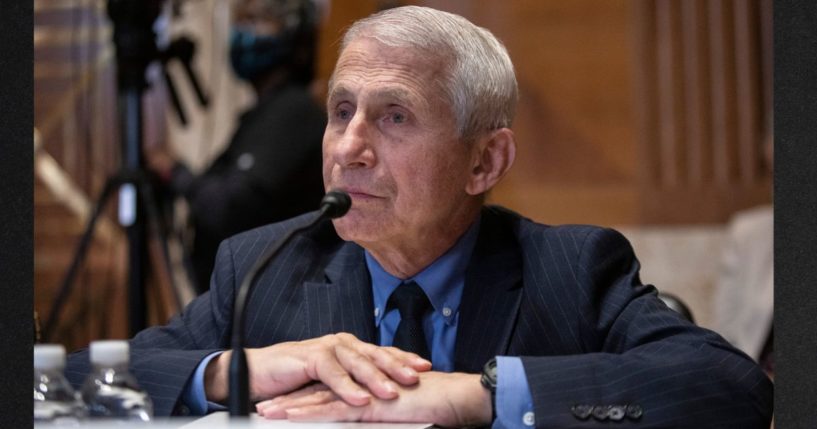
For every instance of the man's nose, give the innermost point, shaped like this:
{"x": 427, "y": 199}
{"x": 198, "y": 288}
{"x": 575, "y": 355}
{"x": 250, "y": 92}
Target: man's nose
{"x": 354, "y": 148}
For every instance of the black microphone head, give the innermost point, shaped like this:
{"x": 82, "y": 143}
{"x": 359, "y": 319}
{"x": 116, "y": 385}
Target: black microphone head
{"x": 335, "y": 203}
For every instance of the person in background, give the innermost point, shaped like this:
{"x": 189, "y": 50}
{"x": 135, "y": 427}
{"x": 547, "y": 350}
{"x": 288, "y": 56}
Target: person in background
{"x": 270, "y": 170}
{"x": 744, "y": 291}
{"x": 422, "y": 304}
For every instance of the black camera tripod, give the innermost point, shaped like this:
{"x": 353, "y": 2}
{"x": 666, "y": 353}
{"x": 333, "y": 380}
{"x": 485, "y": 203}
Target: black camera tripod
{"x": 136, "y": 48}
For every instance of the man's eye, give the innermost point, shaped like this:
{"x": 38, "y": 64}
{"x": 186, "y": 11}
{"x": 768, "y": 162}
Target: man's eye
{"x": 343, "y": 113}
{"x": 398, "y": 118}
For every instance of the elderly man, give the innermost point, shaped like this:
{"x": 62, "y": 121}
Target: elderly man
{"x": 520, "y": 324}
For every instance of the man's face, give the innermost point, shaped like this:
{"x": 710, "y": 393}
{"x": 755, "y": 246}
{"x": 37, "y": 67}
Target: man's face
{"x": 391, "y": 143}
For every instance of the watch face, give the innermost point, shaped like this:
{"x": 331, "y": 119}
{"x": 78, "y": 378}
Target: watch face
{"x": 488, "y": 378}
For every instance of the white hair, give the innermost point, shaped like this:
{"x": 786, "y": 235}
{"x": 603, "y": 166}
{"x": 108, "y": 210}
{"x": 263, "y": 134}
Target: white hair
{"x": 479, "y": 81}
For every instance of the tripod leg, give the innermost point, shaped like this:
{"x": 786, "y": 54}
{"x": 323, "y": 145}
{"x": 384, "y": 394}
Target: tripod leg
{"x": 79, "y": 256}
{"x": 146, "y": 193}
{"x": 137, "y": 262}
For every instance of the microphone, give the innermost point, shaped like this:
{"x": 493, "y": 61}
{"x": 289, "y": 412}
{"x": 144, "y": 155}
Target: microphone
{"x": 333, "y": 205}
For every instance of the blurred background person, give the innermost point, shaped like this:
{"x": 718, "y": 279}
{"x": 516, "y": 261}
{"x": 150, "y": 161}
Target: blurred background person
{"x": 270, "y": 169}
{"x": 744, "y": 290}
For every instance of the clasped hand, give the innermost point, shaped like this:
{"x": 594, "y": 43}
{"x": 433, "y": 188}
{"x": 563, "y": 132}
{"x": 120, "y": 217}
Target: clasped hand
{"x": 340, "y": 378}
{"x": 445, "y": 399}
{"x": 354, "y": 369}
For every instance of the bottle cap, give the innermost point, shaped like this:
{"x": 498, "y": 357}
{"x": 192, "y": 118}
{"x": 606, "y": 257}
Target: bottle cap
{"x": 109, "y": 352}
{"x": 49, "y": 356}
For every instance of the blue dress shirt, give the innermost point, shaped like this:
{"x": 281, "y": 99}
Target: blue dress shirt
{"x": 443, "y": 282}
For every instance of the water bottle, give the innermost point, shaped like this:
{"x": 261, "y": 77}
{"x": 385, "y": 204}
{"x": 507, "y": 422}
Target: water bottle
{"x": 54, "y": 399}
{"x": 110, "y": 390}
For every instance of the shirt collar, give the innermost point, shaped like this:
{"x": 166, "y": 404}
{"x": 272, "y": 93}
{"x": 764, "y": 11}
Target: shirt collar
{"x": 442, "y": 281}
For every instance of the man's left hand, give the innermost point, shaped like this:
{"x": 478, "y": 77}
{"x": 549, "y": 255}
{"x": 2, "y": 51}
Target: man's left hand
{"x": 445, "y": 399}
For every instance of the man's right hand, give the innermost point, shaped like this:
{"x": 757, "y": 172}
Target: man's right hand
{"x": 353, "y": 369}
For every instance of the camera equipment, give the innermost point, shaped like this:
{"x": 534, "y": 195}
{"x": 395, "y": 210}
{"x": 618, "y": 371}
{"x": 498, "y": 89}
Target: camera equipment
{"x": 135, "y": 42}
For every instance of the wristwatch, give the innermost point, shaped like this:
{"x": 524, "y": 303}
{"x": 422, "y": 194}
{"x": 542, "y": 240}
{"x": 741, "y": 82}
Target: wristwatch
{"x": 488, "y": 380}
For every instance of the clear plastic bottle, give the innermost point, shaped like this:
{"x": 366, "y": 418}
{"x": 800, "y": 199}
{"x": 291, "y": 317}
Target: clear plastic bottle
{"x": 55, "y": 401}
{"x": 110, "y": 390}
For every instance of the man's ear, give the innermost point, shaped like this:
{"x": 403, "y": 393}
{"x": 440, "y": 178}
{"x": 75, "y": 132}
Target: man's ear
{"x": 493, "y": 156}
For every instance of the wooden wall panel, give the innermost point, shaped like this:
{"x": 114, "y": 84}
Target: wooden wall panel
{"x": 576, "y": 144}
{"x": 697, "y": 122}
{"x": 702, "y": 78}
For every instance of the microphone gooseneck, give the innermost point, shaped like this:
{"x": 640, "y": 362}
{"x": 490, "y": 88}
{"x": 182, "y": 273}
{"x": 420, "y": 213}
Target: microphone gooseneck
{"x": 333, "y": 205}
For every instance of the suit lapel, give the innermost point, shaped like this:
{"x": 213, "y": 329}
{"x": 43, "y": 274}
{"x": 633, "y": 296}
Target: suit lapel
{"x": 343, "y": 303}
{"x": 491, "y": 298}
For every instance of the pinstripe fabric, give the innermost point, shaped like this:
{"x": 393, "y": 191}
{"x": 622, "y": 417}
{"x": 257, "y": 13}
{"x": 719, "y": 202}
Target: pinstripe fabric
{"x": 567, "y": 299}
{"x": 590, "y": 333}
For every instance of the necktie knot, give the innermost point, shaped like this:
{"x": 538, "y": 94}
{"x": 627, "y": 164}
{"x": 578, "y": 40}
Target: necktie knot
{"x": 410, "y": 300}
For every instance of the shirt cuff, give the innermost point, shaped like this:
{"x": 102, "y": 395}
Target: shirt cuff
{"x": 514, "y": 403}
{"x": 194, "y": 395}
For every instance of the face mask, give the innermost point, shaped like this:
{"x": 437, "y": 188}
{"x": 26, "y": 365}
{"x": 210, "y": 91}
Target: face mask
{"x": 252, "y": 55}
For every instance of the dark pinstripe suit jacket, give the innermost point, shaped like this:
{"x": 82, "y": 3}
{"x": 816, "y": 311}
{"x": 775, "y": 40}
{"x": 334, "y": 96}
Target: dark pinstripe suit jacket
{"x": 567, "y": 299}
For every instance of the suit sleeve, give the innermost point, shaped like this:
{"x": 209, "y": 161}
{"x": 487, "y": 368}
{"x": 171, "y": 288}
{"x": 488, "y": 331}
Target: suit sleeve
{"x": 644, "y": 366}
{"x": 163, "y": 358}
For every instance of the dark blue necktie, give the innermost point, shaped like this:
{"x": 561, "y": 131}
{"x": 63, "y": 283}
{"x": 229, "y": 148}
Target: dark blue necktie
{"x": 413, "y": 304}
